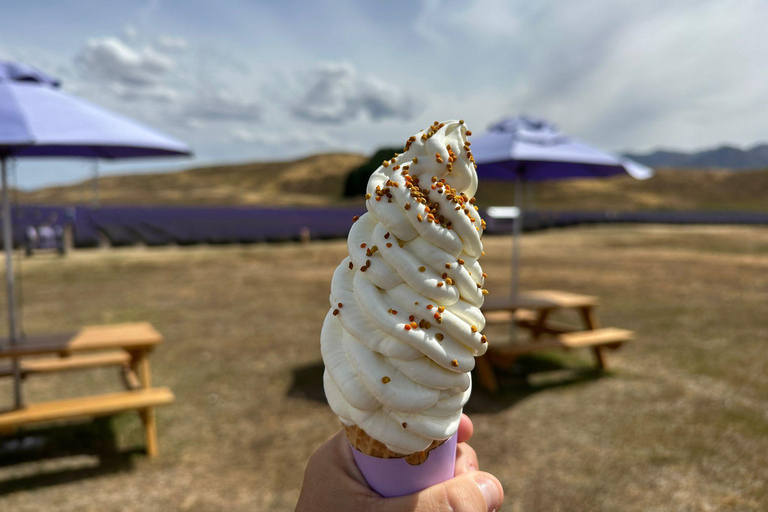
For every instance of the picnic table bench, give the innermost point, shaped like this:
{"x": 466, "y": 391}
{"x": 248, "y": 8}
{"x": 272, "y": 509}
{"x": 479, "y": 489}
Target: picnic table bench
{"x": 531, "y": 311}
{"x": 125, "y": 346}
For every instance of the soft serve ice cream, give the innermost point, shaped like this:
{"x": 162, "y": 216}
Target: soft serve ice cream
{"x": 405, "y": 324}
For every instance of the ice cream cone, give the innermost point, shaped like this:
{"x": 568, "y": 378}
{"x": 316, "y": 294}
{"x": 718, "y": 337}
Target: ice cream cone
{"x": 393, "y": 474}
{"x": 405, "y": 323}
{"x": 364, "y": 443}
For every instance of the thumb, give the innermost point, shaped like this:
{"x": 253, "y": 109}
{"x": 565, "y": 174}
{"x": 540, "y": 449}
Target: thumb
{"x": 471, "y": 492}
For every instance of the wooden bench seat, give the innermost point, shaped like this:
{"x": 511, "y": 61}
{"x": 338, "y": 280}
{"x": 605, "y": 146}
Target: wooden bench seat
{"x": 607, "y": 336}
{"x": 142, "y": 400}
{"x": 505, "y": 356}
{"x": 84, "y": 407}
{"x": 30, "y": 366}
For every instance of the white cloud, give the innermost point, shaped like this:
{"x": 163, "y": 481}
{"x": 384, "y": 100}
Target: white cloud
{"x": 675, "y": 74}
{"x": 619, "y": 75}
{"x": 337, "y": 93}
{"x": 623, "y": 74}
{"x": 172, "y": 44}
{"x": 223, "y": 105}
{"x": 155, "y": 93}
{"x": 303, "y": 138}
{"x": 484, "y": 20}
{"x": 129, "y": 33}
{"x": 112, "y": 60}
{"x": 161, "y": 88}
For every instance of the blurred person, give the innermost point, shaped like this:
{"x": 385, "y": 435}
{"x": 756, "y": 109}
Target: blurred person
{"x": 332, "y": 482}
{"x": 46, "y": 236}
{"x": 30, "y": 240}
{"x": 61, "y": 248}
{"x": 57, "y": 240}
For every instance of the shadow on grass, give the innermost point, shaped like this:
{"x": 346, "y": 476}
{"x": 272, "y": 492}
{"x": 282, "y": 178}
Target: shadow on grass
{"x": 56, "y": 455}
{"x": 308, "y": 382}
{"x": 530, "y": 375}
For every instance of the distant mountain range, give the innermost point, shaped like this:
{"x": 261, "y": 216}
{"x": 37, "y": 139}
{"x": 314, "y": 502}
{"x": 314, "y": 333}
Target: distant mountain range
{"x": 724, "y": 157}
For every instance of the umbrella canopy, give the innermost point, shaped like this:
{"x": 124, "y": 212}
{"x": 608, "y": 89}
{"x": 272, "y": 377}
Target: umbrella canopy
{"x": 525, "y": 149}
{"x": 37, "y": 119}
{"x": 534, "y": 150}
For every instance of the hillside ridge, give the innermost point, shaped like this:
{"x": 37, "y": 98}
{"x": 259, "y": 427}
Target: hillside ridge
{"x": 319, "y": 180}
{"x": 313, "y": 180}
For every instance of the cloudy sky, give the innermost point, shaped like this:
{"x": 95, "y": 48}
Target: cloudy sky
{"x": 242, "y": 80}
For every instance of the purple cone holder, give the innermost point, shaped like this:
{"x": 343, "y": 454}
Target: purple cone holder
{"x": 395, "y": 477}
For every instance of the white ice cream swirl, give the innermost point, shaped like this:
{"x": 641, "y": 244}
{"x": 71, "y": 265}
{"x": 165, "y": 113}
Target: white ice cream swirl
{"x": 405, "y": 324}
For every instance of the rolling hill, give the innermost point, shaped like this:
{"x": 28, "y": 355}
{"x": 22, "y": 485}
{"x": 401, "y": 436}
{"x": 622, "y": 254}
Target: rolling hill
{"x": 319, "y": 180}
{"x": 315, "y": 180}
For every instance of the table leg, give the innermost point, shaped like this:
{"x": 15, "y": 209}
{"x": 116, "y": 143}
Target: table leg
{"x": 538, "y": 329}
{"x": 599, "y": 359}
{"x": 590, "y": 318}
{"x": 485, "y": 374}
{"x": 146, "y": 375}
{"x": 140, "y": 364}
{"x": 591, "y": 323}
{"x": 150, "y": 430}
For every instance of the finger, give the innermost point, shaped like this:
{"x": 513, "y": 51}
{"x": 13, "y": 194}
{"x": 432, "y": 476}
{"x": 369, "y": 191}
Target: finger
{"x": 470, "y": 492}
{"x": 466, "y": 459}
{"x": 465, "y": 429}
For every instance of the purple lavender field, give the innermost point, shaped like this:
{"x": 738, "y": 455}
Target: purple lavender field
{"x": 155, "y": 226}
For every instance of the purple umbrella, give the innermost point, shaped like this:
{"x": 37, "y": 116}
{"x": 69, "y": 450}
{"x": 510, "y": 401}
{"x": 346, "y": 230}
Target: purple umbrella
{"x": 523, "y": 149}
{"x": 37, "y": 119}
{"x": 534, "y": 150}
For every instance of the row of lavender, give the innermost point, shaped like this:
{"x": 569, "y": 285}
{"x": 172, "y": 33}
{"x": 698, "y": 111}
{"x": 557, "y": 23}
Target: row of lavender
{"x": 121, "y": 226}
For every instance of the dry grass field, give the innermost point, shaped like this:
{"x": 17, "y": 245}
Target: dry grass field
{"x": 680, "y": 423}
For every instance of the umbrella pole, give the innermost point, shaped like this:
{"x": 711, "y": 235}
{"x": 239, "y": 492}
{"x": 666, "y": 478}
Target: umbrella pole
{"x": 517, "y": 226}
{"x": 9, "y": 280}
{"x": 95, "y": 197}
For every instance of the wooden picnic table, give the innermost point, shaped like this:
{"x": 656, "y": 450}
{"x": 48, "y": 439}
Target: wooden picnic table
{"x": 126, "y": 346}
{"x": 532, "y": 310}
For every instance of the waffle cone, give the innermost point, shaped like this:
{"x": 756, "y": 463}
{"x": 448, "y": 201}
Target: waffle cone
{"x": 364, "y": 443}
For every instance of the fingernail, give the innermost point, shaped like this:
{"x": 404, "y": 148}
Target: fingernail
{"x": 490, "y": 492}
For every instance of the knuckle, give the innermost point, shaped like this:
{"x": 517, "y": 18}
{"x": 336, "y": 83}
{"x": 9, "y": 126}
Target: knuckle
{"x": 464, "y": 496}
{"x": 467, "y": 459}
{"x": 469, "y": 451}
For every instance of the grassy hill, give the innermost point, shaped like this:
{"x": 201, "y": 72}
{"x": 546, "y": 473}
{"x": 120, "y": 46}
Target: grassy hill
{"x": 668, "y": 190}
{"x": 319, "y": 180}
{"x": 315, "y": 180}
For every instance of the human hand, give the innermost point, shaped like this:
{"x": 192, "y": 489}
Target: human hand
{"x": 332, "y": 482}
